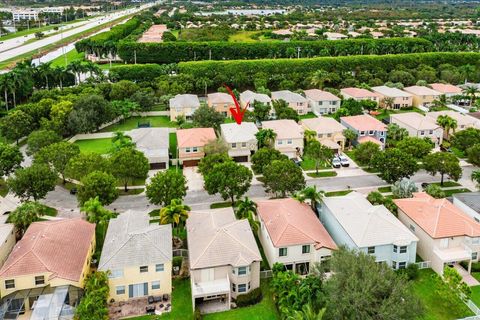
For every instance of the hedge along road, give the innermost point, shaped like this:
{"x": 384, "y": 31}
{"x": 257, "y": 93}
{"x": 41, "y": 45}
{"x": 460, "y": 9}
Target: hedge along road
{"x": 12, "y": 53}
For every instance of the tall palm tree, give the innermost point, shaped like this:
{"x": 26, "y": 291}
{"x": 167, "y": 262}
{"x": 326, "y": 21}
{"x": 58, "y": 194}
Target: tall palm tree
{"x": 350, "y": 136}
{"x": 312, "y": 194}
{"x": 5, "y": 86}
{"x": 247, "y": 209}
{"x": 395, "y": 133}
{"x": 92, "y": 69}
{"x": 45, "y": 71}
{"x": 310, "y": 135}
{"x": 175, "y": 213}
{"x": 319, "y": 78}
{"x": 467, "y": 71}
{"x": 17, "y": 79}
{"x": 97, "y": 214}
{"x": 265, "y": 137}
{"x": 387, "y": 102}
{"x": 59, "y": 75}
{"x": 447, "y": 123}
{"x": 76, "y": 67}
{"x": 472, "y": 92}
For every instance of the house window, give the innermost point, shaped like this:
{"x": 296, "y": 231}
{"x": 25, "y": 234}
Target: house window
{"x": 402, "y": 265}
{"x": 280, "y": 141}
{"x": 320, "y": 135}
{"x": 371, "y": 132}
{"x": 234, "y": 145}
{"x": 430, "y": 132}
{"x": 244, "y": 144}
{"x": 143, "y": 269}
{"x": 194, "y": 149}
{"x": 362, "y": 133}
{"x": 120, "y": 289}
{"x": 395, "y": 248}
{"x": 422, "y": 133}
{"x": 282, "y": 252}
{"x": 242, "y": 271}
{"x": 306, "y": 248}
{"x": 117, "y": 273}
{"x": 159, "y": 267}
{"x": 329, "y": 135}
{"x": 382, "y": 133}
{"x": 394, "y": 264}
{"x": 9, "y": 284}
{"x": 39, "y": 280}
{"x": 234, "y": 287}
{"x": 371, "y": 250}
{"x": 187, "y": 150}
{"x": 474, "y": 255}
{"x": 242, "y": 287}
{"x": 155, "y": 285}
{"x": 403, "y": 249}
{"x": 289, "y": 141}
{"x": 412, "y": 227}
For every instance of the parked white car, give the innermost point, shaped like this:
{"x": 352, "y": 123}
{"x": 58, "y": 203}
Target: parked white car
{"x": 344, "y": 161}
{"x": 336, "y": 163}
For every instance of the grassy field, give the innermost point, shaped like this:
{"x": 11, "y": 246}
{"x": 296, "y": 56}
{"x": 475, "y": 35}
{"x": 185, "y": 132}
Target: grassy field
{"x": 309, "y": 115}
{"x": 218, "y": 205}
{"x": 447, "y": 184}
{"x": 173, "y": 144}
{"x": 322, "y": 174}
{"x": 243, "y": 36}
{"x": 385, "y": 189}
{"x": 448, "y": 193}
{"x": 309, "y": 164}
{"x": 386, "y": 114}
{"x": 101, "y": 146}
{"x": 71, "y": 55}
{"x": 437, "y": 308}
{"x": 337, "y": 193}
{"x": 132, "y": 123}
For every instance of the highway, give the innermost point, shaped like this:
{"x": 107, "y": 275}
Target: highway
{"x": 32, "y": 46}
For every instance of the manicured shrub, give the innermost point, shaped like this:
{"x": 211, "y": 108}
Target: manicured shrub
{"x": 248, "y": 299}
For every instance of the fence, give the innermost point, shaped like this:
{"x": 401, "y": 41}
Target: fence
{"x": 180, "y": 253}
{"x": 423, "y": 264}
{"x": 266, "y": 274}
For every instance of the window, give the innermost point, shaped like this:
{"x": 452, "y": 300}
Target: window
{"x": 234, "y": 287}
{"x": 242, "y": 287}
{"x": 329, "y": 135}
{"x": 39, "y": 280}
{"x": 371, "y": 250}
{"x": 320, "y": 135}
{"x": 159, "y": 267}
{"x": 394, "y": 264}
{"x": 362, "y": 133}
{"x": 187, "y": 150}
{"x": 155, "y": 285}
{"x": 280, "y": 141}
{"x": 118, "y": 273}
{"x": 371, "y": 132}
{"x": 412, "y": 227}
{"x": 430, "y": 132}
{"x": 234, "y": 145}
{"x": 244, "y": 144}
{"x": 120, "y": 289}
{"x": 282, "y": 252}
{"x": 9, "y": 284}
{"x": 194, "y": 149}
{"x": 395, "y": 248}
{"x": 474, "y": 255}
{"x": 382, "y": 133}
{"x": 242, "y": 271}
{"x": 306, "y": 248}
{"x": 289, "y": 141}
{"x": 422, "y": 133}
{"x": 143, "y": 269}
{"x": 403, "y": 249}
{"x": 402, "y": 265}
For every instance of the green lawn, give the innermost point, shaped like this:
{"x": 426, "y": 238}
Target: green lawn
{"x": 475, "y": 297}
{"x": 101, "y": 146}
{"x": 447, "y": 184}
{"x": 309, "y": 115}
{"x": 309, "y": 164}
{"x": 322, "y": 174}
{"x": 3, "y": 188}
{"x": 242, "y": 36}
{"x": 219, "y": 205}
{"x": 71, "y": 55}
{"x": 386, "y": 114}
{"x": 437, "y": 308}
{"x": 181, "y": 303}
{"x": 132, "y": 123}
{"x": 459, "y": 153}
{"x": 173, "y": 144}
{"x": 448, "y": 193}
{"x": 264, "y": 310}
{"x": 337, "y": 193}
{"x": 131, "y": 192}
{"x": 385, "y": 189}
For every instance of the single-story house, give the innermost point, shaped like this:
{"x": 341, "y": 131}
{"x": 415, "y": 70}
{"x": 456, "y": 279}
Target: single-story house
{"x": 241, "y": 140}
{"x": 329, "y": 132}
{"x": 368, "y": 129}
{"x": 154, "y": 143}
{"x": 294, "y": 100}
{"x": 401, "y": 99}
{"x": 289, "y": 139}
{"x": 183, "y": 105}
{"x": 190, "y": 143}
{"x": 419, "y": 126}
{"x": 322, "y": 102}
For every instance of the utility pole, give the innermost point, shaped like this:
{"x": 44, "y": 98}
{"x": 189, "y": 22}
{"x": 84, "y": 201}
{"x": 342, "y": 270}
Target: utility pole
{"x": 210, "y": 54}
{"x": 135, "y": 56}
{"x": 298, "y": 52}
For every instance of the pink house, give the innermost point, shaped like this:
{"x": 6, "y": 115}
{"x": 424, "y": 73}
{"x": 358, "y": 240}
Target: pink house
{"x": 360, "y": 94}
{"x": 190, "y": 143}
{"x": 367, "y": 128}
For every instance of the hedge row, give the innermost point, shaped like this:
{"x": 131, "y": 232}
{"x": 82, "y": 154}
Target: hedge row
{"x": 139, "y": 72}
{"x": 177, "y": 51}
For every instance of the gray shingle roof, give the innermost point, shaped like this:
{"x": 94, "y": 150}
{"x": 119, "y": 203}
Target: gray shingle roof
{"x": 132, "y": 241}
{"x": 153, "y": 142}
{"x": 470, "y": 199}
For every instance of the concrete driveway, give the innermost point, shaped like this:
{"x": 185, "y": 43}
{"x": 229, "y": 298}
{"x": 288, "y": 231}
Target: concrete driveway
{"x": 194, "y": 178}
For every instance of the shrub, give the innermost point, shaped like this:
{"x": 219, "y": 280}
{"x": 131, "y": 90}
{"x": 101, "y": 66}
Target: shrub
{"x": 177, "y": 261}
{"x": 435, "y": 191}
{"x": 412, "y": 271}
{"x": 248, "y": 299}
{"x": 197, "y": 315}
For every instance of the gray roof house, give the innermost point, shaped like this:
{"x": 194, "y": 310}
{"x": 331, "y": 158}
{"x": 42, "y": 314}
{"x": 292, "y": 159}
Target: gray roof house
{"x": 183, "y": 104}
{"x": 154, "y": 143}
{"x": 468, "y": 202}
{"x": 240, "y": 139}
{"x": 224, "y": 258}
{"x": 138, "y": 255}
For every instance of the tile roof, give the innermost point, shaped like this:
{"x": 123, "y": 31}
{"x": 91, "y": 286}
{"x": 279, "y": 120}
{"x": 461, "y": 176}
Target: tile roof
{"x": 446, "y": 88}
{"x": 438, "y": 217}
{"x": 415, "y": 120}
{"x": 59, "y": 247}
{"x": 367, "y": 224}
{"x": 216, "y": 238}
{"x": 462, "y": 119}
{"x": 290, "y": 223}
{"x": 288, "y": 96}
{"x": 323, "y": 125}
{"x": 422, "y": 91}
{"x": 184, "y": 101}
{"x": 471, "y": 199}
{"x": 153, "y": 142}
{"x": 194, "y": 137}
{"x": 233, "y": 132}
{"x": 250, "y": 96}
{"x": 129, "y": 236}
{"x": 220, "y": 97}
{"x": 319, "y": 95}
{"x": 390, "y": 92}
{"x": 364, "y": 122}
{"x": 285, "y": 128}
{"x": 359, "y": 93}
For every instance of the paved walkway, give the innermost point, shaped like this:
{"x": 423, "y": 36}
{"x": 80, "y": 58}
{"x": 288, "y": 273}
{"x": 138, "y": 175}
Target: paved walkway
{"x": 467, "y": 278}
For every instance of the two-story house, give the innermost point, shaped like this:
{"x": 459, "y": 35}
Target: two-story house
{"x": 224, "y": 258}
{"x": 367, "y": 128}
{"x": 190, "y": 144}
{"x": 241, "y": 140}
{"x": 138, "y": 256}
{"x": 464, "y": 121}
{"x": 7, "y": 237}
{"x": 449, "y": 90}
{"x": 294, "y": 100}
{"x": 468, "y": 202}
{"x": 447, "y": 235}
{"x": 249, "y": 97}
{"x": 291, "y": 234}
{"x": 183, "y": 105}
{"x": 401, "y": 99}
{"x": 422, "y": 96}
{"x": 354, "y": 222}
{"x": 359, "y": 94}
{"x": 329, "y": 132}
{"x": 322, "y": 102}
{"x": 221, "y": 102}
{"x": 52, "y": 259}
{"x": 289, "y": 139}
{"x": 419, "y": 126}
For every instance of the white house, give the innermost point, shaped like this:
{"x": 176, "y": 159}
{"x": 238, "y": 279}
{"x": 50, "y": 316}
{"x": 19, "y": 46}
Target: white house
{"x": 322, "y": 102}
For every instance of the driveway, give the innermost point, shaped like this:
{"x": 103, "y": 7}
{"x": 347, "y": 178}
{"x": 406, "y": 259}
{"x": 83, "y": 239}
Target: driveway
{"x": 249, "y": 166}
{"x": 194, "y": 178}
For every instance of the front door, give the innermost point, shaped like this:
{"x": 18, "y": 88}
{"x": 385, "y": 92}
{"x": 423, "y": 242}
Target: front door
{"x": 138, "y": 290}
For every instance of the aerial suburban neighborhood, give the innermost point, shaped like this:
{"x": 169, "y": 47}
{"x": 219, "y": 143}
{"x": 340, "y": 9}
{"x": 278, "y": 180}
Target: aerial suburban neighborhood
{"x": 239, "y": 160}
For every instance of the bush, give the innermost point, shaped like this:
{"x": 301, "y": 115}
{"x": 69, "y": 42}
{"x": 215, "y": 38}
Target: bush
{"x": 197, "y": 315}
{"x": 248, "y": 299}
{"x": 177, "y": 261}
{"x": 435, "y": 191}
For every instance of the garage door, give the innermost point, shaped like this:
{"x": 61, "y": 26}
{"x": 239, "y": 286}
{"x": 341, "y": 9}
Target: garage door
{"x": 158, "y": 166}
{"x": 241, "y": 159}
{"x": 190, "y": 163}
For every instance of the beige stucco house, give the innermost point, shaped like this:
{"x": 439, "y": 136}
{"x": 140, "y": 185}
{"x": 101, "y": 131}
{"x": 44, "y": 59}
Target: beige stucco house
{"x": 224, "y": 258}
{"x": 289, "y": 139}
{"x": 221, "y": 102}
{"x": 138, "y": 256}
{"x": 359, "y": 94}
{"x": 295, "y": 101}
{"x": 183, "y": 105}
{"x": 241, "y": 140}
{"x": 464, "y": 121}
{"x": 419, "y": 126}
{"x": 449, "y": 90}
{"x": 7, "y": 237}
{"x": 190, "y": 143}
{"x": 422, "y": 96}
{"x": 401, "y": 99}
{"x": 322, "y": 102}
{"x": 446, "y": 234}
{"x": 329, "y": 132}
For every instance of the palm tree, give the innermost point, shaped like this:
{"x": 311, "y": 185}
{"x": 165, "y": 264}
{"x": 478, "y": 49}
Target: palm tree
{"x": 247, "y": 209}
{"x": 472, "y": 92}
{"x": 319, "y": 78}
{"x": 76, "y": 67}
{"x": 97, "y": 214}
{"x": 476, "y": 178}
{"x": 92, "y": 68}
{"x": 120, "y": 140}
{"x": 395, "y": 133}
{"x": 265, "y": 137}
{"x": 312, "y": 194}
{"x": 45, "y": 71}
{"x": 467, "y": 71}
{"x": 59, "y": 74}
{"x": 310, "y": 135}
{"x": 447, "y": 123}
{"x": 5, "y": 86}
{"x": 307, "y": 313}
{"x": 387, "y": 102}
{"x": 350, "y": 135}
{"x": 24, "y": 215}
{"x": 175, "y": 213}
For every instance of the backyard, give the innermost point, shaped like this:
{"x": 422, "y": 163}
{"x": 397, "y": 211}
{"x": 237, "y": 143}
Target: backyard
{"x": 133, "y": 122}
{"x": 101, "y": 146}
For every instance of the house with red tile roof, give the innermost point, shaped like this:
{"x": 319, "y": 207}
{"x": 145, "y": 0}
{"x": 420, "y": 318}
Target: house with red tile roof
{"x": 190, "y": 143}
{"x": 447, "y": 235}
{"x": 291, "y": 234}
{"x": 449, "y": 90}
{"x": 359, "y": 94}
{"x": 51, "y": 255}
{"x": 367, "y": 128}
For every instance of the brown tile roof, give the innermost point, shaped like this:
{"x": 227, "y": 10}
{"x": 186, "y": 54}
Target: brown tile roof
{"x": 290, "y": 222}
{"x": 195, "y": 137}
{"x": 58, "y": 247}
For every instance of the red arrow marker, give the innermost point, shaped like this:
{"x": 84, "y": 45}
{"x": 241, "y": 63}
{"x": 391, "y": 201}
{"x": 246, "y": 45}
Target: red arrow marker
{"x": 236, "y": 112}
